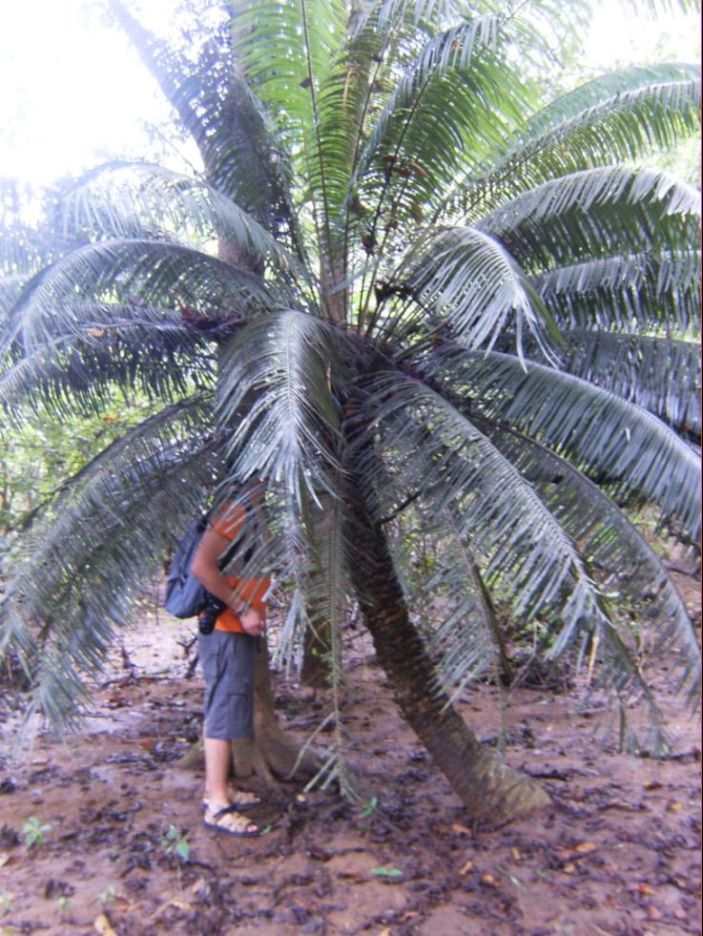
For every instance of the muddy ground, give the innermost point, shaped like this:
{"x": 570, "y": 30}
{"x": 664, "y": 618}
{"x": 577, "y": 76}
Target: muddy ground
{"x": 617, "y": 853}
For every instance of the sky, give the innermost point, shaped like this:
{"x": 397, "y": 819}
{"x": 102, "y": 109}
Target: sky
{"x": 73, "y": 92}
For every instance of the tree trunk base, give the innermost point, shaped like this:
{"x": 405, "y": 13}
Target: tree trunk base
{"x": 271, "y": 755}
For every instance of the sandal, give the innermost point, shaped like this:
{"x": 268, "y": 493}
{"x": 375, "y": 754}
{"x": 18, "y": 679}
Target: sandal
{"x": 227, "y": 821}
{"x": 241, "y": 800}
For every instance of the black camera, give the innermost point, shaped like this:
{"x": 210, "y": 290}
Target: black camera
{"x": 210, "y": 612}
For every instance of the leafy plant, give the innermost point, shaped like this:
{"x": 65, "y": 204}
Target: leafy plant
{"x": 411, "y": 293}
{"x": 174, "y": 843}
{"x": 34, "y": 832}
{"x": 107, "y": 896}
{"x": 369, "y": 808}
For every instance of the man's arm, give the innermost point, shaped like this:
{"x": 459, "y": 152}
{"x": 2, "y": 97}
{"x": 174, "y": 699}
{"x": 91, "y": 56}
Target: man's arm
{"x": 205, "y": 567}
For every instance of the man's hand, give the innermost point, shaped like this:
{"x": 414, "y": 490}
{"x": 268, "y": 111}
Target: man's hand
{"x": 252, "y": 622}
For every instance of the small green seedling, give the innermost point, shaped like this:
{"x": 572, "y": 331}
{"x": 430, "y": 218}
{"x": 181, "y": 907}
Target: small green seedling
{"x": 63, "y": 904}
{"x": 368, "y": 809}
{"x": 34, "y": 832}
{"x": 173, "y": 843}
{"x": 108, "y": 896}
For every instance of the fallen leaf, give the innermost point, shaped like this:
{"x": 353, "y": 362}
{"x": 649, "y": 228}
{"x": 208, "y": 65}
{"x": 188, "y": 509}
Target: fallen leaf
{"x": 148, "y": 744}
{"x": 392, "y": 873}
{"x": 467, "y": 867}
{"x": 569, "y": 868}
{"x": 95, "y": 332}
{"x": 652, "y": 785}
{"x": 583, "y": 848}
{"x": 489, "y": 880}
{"x": 460, "y": 829}
{"x": 646, "y": 890}
{"x": 173, "y": 902}
{"x": 103, "y": 926}
{"x": 676, "y": 806}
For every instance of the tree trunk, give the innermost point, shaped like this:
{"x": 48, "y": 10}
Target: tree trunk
{"x": 271, "y": 754}
{"x": 489, "y": 788}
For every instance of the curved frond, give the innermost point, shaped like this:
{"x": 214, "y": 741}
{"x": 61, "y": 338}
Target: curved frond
{"x": 128, "y": 346}
{"x": 658, "y": 374}
{"x": 608, "y": 438}
{"x": 596, "y": 212}
{"x": 126, "y": 200}
{"x": 629, "y": 292}
{"x": 203, "y": 287}
{"x": 83, "y": 567}
{"x": 275, "y": 403}
{"x": 611, "y": 544}
{"x": 652, "y": 110}
{"x": 526, "y": 557}
{"x": 472, "y": 283}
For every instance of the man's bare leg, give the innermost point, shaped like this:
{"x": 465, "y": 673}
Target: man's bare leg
{"x": 218, "y": 760}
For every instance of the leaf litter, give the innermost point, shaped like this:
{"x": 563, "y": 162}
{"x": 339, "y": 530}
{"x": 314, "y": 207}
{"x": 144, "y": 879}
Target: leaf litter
{"x": 123, "y": 851}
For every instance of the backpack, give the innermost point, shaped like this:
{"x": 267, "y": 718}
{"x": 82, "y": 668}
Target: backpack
{"x": 186, "y": 596}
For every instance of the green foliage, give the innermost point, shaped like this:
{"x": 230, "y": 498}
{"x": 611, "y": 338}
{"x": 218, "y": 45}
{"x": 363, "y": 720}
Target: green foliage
{"x": 175, "y": 843}
{"x": 34, "y": 832}
{"x": 107, "y": 896}
{"x": 402, "y": 261}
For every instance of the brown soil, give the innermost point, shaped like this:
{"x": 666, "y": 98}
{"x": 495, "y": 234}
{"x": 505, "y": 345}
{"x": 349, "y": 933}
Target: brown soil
{"x": 617, "y": 853}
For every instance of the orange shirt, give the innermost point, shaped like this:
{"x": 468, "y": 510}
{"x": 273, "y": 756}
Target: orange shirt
{"x": 252, "y": 591}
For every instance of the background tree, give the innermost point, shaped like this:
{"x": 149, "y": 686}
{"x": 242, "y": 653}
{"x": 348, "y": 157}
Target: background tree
{"x": 426, "y": 299}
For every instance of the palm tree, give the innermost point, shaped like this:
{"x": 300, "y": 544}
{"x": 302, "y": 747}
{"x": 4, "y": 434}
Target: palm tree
{"x": 427, "y": 306}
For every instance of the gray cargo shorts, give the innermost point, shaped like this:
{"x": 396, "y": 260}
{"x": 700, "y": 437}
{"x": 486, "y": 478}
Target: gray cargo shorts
{"x": 228, "y": 667}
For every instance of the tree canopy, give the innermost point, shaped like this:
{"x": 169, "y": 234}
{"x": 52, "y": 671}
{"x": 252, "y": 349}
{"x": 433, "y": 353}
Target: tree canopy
{"x": 417, "y": 298}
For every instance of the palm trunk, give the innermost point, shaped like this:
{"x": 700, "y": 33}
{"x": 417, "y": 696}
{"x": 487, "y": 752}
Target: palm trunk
{"x": 487, "y": 787}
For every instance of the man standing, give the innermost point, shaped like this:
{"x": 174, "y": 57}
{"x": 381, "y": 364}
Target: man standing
{"x": 228, "y": 653}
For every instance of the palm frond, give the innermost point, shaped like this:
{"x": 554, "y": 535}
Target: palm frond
{"x": 658, "y": 374}
{"x": 607, "y": 89}
{"x": 159, "y": 273}
{"x": 527, "y": 560}
{"x": 614, "y": 548}
{"x": 596, "y": 212}
{"x": 470, "y": 281}
{"x": 384, "y": 15}
{"x": 651, "y": 110}
{"x": 275, "y": 403}
{"x": 610, "y": 439}
{"x": 446, "y": 590}
{"x": 388, "y": 155}
{"x": 630, "y": 292}
{"x": 81, "y": 570}
{"x": 243, "y": 156}
{"x": 285, "y": 50}
{"x": 125, "y": 346}
{"x": 126, "y": 200}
